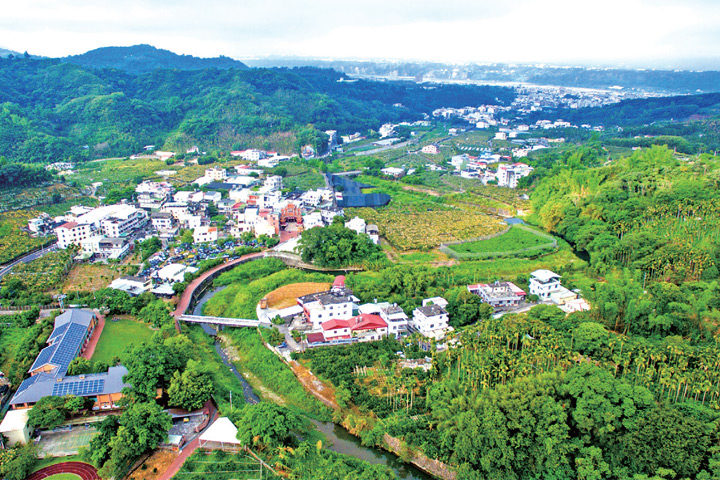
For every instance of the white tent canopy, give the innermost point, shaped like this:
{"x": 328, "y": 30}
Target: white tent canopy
{"x": 221, "y": 431}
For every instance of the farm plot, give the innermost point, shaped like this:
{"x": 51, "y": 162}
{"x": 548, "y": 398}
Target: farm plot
{"x": 87, "y": 278}
{"x": 287, "y": 296}
{"x": 515, "y": 241}
{"x": 411, "y": 227}
{"x": 13, "y": 240}
{"x": 43, "y": 274}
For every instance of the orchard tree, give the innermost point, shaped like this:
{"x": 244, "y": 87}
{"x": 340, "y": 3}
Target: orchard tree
{"x": 191, "y": 389}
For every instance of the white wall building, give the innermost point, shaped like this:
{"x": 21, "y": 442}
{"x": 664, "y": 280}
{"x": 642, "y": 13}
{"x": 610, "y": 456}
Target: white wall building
{"x": 544, "y": 283}
{"x": 205, "y": 234}
{"x": 430, "y": 320}
{"x": 357, "y": 224}
{"x": 216, "y": 174}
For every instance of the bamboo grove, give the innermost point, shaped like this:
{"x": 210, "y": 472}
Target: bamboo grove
{"x": 651, "y": 212}
{"x": 499, "y": 351}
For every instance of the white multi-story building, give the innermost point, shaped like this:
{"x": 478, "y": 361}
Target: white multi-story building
{"x": 205, "y": 234}
{"x": 176, "y": 209}
{"x": 72, "y": 233}
{"x": 337, "y": 303}
{"x": 544, "y": 283}
{"x": 274, "y": 182}
{"x": 396, "y": 319}
{"x": 312, "y": 220}
{"x": 508, "y": 175}
{"x": 110, "y": 220}
{"x": 162, "y": 221}
{"x": 430, "y": 320}
{"x": 123, "y": 222}
{"x": 216, "y": 174}
{"x": 430, "y": 149}
{"x": 250, "y": 154}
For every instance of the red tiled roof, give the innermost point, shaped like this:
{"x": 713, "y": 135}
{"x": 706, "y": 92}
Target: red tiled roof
{"x": 339, "y": 281}
{"x": 335, "y": 323}
{"x": 315, "y": 337}
{"x": 69, "y": 225}
{"x": 367, "y": 321}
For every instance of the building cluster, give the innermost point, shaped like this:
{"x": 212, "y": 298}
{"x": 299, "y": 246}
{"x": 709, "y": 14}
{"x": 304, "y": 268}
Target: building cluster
{"x": 545, "y": 284}
{"x": 105, "y": 232}
{"x": 336, "y": 316}
{"x": 490, "y": 168}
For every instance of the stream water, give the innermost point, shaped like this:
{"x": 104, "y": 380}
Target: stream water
{"x": 341, "y": 440}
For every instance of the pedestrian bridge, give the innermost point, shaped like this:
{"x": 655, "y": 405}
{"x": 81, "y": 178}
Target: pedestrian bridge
{"x": 228, "y": 322}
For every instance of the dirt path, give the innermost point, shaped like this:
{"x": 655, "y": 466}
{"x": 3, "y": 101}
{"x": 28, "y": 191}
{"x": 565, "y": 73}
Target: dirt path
{"x": 321, "y": 391}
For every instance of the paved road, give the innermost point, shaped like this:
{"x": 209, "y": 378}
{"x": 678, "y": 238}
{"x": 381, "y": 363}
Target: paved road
{"x": 27, "y": 258}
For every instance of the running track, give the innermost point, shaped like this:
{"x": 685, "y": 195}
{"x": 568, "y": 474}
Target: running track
{"x": 82, "y": 470}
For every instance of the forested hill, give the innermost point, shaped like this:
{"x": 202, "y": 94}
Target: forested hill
{"x": 51, "y": 110}
{"x": 641, "y": 111}
{"x": 140, "y": 59}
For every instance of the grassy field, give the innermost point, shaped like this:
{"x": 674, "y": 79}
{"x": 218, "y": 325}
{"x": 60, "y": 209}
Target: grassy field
{"x": 91, "y": 277}
{"x": 46, "y": 462}
{"x": 419, "y": 257}
{"x": 515, "y": 239}
{"x": 63, "y": 476}
{"x": 117, "y": 336}
{"x": 410, "y": 227}
{"x": 286, "y": 296}
{"x": 39, "y": 197}
{"x": 239, "y": 300}
{"x": 10, "y": 338}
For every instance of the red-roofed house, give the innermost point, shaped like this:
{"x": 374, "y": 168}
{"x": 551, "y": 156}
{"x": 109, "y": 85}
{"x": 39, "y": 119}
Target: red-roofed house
{"x": 339, "y": 282}
{"x": 315, "y": 337}
{"x": 336, "y": 329}
{"x": 368, "y": 327}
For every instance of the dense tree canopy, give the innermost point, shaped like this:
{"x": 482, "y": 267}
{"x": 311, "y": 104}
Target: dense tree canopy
{"x": 336, "y": 246}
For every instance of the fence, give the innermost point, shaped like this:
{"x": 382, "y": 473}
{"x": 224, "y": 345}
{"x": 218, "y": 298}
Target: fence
{"x": 551, "y": 245}
{"x": 54, "y": 306}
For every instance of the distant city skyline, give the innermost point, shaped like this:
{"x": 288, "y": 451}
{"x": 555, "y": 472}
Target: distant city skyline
{"x": 631, "y": 33}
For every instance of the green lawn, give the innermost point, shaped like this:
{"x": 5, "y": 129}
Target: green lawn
{"x": 10, "y": 338}
{"x": 419, "y": 257}
{"x": 515, "y": 239}
{"x": 63, "y": 476}
{"x": 46, "y": 462}
{"x": 117, "y": 336}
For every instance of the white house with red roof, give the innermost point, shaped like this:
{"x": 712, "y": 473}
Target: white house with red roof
{"x": 336, "y": 329}
{"x": 338, "y": 303}
{"x": 365, "y": 327}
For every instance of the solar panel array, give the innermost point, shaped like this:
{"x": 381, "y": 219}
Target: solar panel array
{"x": 69, "y": 346}
{"x": 82, "y": 388}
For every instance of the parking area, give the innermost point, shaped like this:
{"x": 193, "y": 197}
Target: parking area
{"x": 65, "y": 442}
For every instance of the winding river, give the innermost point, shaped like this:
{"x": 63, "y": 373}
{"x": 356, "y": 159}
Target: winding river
{"x": 341, "y": 440}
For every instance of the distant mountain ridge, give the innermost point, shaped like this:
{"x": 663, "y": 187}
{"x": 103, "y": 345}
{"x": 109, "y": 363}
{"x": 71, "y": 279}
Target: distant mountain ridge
{"x": 665, "y": 81}
{"x": 139, "y": 59}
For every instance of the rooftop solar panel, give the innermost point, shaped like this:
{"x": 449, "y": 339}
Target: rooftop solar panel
{"x": 82, "y": 388}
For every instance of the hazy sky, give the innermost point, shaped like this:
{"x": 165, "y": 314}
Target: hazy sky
{"x": 639, "y": 32}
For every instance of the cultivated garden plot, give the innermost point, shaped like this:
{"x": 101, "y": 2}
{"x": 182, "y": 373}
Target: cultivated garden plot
{"x": 14, "y": 242}
{"x": 409, "y": 227}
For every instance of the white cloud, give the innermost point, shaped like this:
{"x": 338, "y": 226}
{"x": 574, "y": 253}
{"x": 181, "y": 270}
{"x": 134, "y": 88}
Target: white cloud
{"x": 459, "y": 31}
